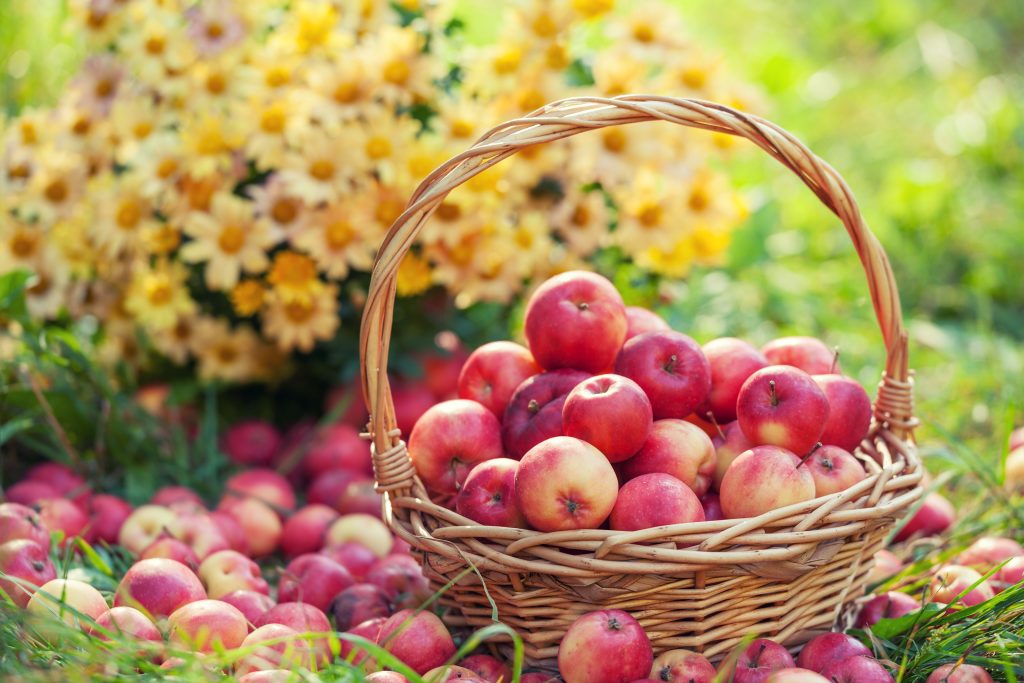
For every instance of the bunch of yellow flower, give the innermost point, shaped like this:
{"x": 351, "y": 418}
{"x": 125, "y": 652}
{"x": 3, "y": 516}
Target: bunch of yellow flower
{"x": 219, "y": 171}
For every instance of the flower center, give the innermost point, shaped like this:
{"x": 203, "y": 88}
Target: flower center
{"x": 580, "y": 215}
{"x": 273, "y": 118}
{"x": 142, "y": 129}
{"x": 104, "y": 88}
{"x": 699, "y": 199}
{"x": 461, "y": 128}
{"x": 649, "y": 215}
{"x": 128, "y": 214}
{"x": 292, "y": 269}
{"x": 214, "y": 30}
{"x": 397, "y": 72}
{"x": 298, "y": 313}
{"x": 449, "y": 211}
{"x": 322, "y": 169}
{"x": 614, "y": 140}
{"x": 339, "y": 235}
{"x": 276, "y": 76}
{"x": 56, "y": 191}
{"x": 23, "y": 244}
{"x": 284, "y": 210}
{"x": 643, "y": 33}
{"x": 231, "y": 240}
{"x": 158, "y": 293}
{"x": 155, "y": 45}
{"x": 378, "y": 147}
{"x": 166, "y": 168}
{"x": 227, "y": 353}
{"x": 216, "y": 83}
{"x": 345, "y": 92}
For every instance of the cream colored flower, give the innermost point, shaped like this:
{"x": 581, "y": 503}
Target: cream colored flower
{"x": 404, "y": 73}
{"x": 324, "y": 166}
{"x": 228, "y": 240}
{"x": 157, "y": 295}
{"x": 340, "y": 237}
{"x": 124, "y": 215}
{"x": 223, "y": 353}
{"x": 300, "y": 324}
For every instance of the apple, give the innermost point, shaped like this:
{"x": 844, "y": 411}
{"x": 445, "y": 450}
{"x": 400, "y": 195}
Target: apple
{"x": 361, "y": 528}
{"x": 301, "y": 616}
{"x": 762, "y": 479}
{"x": 126, "y": 621}
{"x": 849, "y": 414}
{"x": 170, "y": 495}
{"x": 652, "y": 500}
{"x": 228, "y": 571}
{"x": 251, "y": 443}
{"x": 231, "y": 530}
{"x": 29, "y": 492}
{"x": 207, "y": 625}
{"x": 935, "y": 515}
{"x": 410, "y": 401}
{"x": 357, "y": 603}
{"x": 329, "y": 487}
{"x": 564, "y": 483}
{"x": 353, "y": 556}
{"x": 306, "y": 530}
{"x": 712, "y": 429}
{"x": 57, "y": 476}
{"x": 143, "y": 526}
{"x": 492, "y": 373}
{"x": 729, "y": 444}
{"x": 857, "y": 669}
{"x": 442, "y": 367}
{"x": 28, "y": 562}
{"x": 264, "y": 485}
{"x": 795, "y": 675}
{"x": 451, "y": 674}
{"x": 286, "y": 650}
{"x": 20, "y": 521}
{"x": 338, "y": 447}
{"x": 200, "y": 532}
{"x": 1015, "y": 469}
{"x": 52, "y": 599}
{"x": 402, "y": 580}
{"x": 360, "y": 496}
{"x": 449, "y": 439}
{"x": 682, "y": 666}
{"x": 269, "y": 676}
{"x": 671, "y": 369}
{"x": 1008, "y": 575}
{"x": 807, "y": 353}
{"x": 886, "y": 565}
{"x": 575, "y": 320}
{"x": 584, "y": 653}
{"x": 712, "y": 506}
{"x": 640, "y": 320}
{"x": 1016, "y": 439}
{"x": 489, "y": 668}
{"x": 354, "y": 412}
{"x": 823, "y": 650}
{"x": 250, "y": 603}
{"x": 314, "y": 579}
{"x": 958, "y": 672}
{"x": 488, "y": 495}
{"x": 952, "y": 580}
{"x": 106, "y": 515}
{"x": 158, "y": 586}
{"x": 678, "y": 448}
{"x": 990, "y": 551}
{"x": 417, "y": 638}
{"x": 386, "y": 677}
{"x": 782, "y": 406}
{"x": 891, "y": 605}
{"x": 833, "y": 469}
{"x": 60, "y": 514}
{"x": 609, "y": 412}
{"x": 759, "y": 660}
{"x": 732, "y": 361}
{"x": 260, "y": 524}
{"x": 534, "y": 412}
{"x": 170, "y": 548}
{"x": 368, "y": 630}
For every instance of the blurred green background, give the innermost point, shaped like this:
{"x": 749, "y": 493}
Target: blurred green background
{"x": 920, "y": 105}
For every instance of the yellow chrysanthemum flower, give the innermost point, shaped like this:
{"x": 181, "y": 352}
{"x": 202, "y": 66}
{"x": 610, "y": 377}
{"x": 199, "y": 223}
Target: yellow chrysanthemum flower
{"x": 223, "y": 353}
{"x": 300, "y": 323}
{"x": 247, "y": 297}
{"x": 293, "y": 278}
{"x": 157, "y": 296}
{"x": 414, "y": 275}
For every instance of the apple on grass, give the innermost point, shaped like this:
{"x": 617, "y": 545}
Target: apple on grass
{"x": 60, "y": 514}
{"x": 360, "y": 496}
{"x": 361, "y": 528}
{"x": 306, "y": 530}
{"x": 493, "y": 372}
{"x": 891, "y": 605}
{"x": 609, "y": 412}
{"x": 762, "y": 479}
{"x": 314, "y": 579}
{"x": 488, "y": 494}
{"x": 106, "y": 515}
{"x": 671, "y": 369}
{"x": 200, "y": 532}
{"x": 575, "y": 320}
{"x": 958, "y": 672}
{"x": 417, "y": 638}
{"x": 489, "y": 668}
{"x": 168, "y": 496}
{"x": 795, "y": 675}
{"x": 231, "y": 530}
{"x": 250, "y": 603}
{"x": 52, "y": 601}
{"x": 260, "y": 524}
{"x": 170, "y": 548}
{"x": 833, "y": 469}
{"x": 935, "y": 515}
{"x": 206, "y": 625}
{"x": 143, "y": 526}
{"x": 29, "y": 493}
{"x": 1008, "y": 575}
{"x": 682, "y": 666}
{"x": 534, "y": 412}
{"x": 823, "y": 650}
{"x": 886, "y": 564}
{"x": 759, "y": 660}
{"x": 228, "y": 571}
{"x": 20, "y": 521}
{"x": 401, "y": 579}
{"x": 951, "y": 581}
{"x": 564, "y": 483}
{"x": 386, "y": 677}
{"x": 58, "y": 476}
{"x": 274, "y": 646}
{"x": 652, "y": 500}
{"x": 452, "y": 674}
{"x": 26, "y": 566}
{"x": 125, "y": 621}
{"x": 640, "y": 320}
{"x": 251, "y": 442}
{"x": 358, "y": 603}
{"x": 304, "y": 618}
{"x": 990, "y": 551}
{"x": 782, "y": 406}
{"x": 411, "y": 401}
{"x": 355, "y": 651}
{"x": 338, "y": 447}
{"x": 328, "y": 488}
{"x": 353, "y": 556}
{"x": 731, "y": 361}
{"x": 449, "y": 439}
{"x": 728, "y": 445}
{"x": 157, "y": 587}
{"x": 849, "y": 414}
{"x": 678, "y": 448}
{"x": 857, "y": 669}
{"x": 265, "y": 485}
{"x": 807, "y": 353}
{"x": 583, "y": 654}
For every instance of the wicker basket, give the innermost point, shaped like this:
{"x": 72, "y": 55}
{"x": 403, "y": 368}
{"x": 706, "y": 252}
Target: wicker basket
{"x": 787, "y": 574}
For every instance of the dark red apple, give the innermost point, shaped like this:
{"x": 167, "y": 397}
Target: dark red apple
{"x": 534, "y": 412}
{"x": 759, "y": 660}
{"x": 488, "y": 495}
{"x": 353, "y": 556}
{"x": 782, "y": 406}
{"x": 849, "y": 415}
{"x": 417, "y": 638}
{"x": 338, "y": 447}
{"x": 823, "y": 650}
{"x": 314, "y": 579}
{"x": 402, "y": 580}
{"x": 106, "y": 515}
{"x": 411, "y": 401}
{"x": 29, "y": 492}
{"x": 306, "y": 530}
{"x": 712, "y": 505}
{"x": 252, "y": 442}
{"x": 732, "y": 361}
{"x": 357, "y": 603}
{"x": 488, "y": 668}
{"x": 935, "y": 515}
{"x": 328, "y": 488}
{"x": 450, "y": 439}
{"x": 57, "y": 476}
{"x": 609, "y": 412}
{"x": 891, "y": 605}
{"x": 671, "y": 369}
{"x": 493, "y": 372}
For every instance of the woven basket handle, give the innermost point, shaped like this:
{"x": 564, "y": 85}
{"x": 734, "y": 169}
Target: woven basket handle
{"x": 562, "y": 119}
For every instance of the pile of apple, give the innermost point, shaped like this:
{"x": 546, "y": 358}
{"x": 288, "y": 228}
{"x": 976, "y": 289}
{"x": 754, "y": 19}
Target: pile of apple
{"x": 609, "y": 417}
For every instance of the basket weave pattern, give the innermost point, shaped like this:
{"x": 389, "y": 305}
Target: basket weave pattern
{"x": 786, "y": 574}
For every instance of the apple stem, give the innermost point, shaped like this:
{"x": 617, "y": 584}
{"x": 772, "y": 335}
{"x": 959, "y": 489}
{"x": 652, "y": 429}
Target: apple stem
{"x": 771, "y": 392}
{"x": 718, "y": 427}
{"x": 533, "y": 407}
{"x": 808, "y": 456}
{"x": 755, "y": 658}
{"x": 583, "y": 306}
{"x": 670, "y": 366}
{"x": 835, "y": 360}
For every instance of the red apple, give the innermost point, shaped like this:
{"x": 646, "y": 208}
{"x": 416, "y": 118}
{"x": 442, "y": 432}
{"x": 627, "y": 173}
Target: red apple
{"x": 488, "y": 495}
{"x": 106, "y": 515}
{"x": 782, "y": 406}
{"x": 169, "y": 495}
{"x": 361, "y": 528}
{"x": 712, "y": 429}
{"x": 329, "y": 487}
{"x": 29, "y": 492}
{"x": 609, "y": 412}
{"x": 231, "y": 530}
{"x": 891, "y": 605}
{"x": 27, "y": 562}
{"x": 60, "y": 514}
{"x": 451, "y": 674}
{"x": 360, "y": 496}
{"x": 315, "y": 579}
{"x": 126, "y": 621}
{"x": 386, "y": 677}
{"x": 564, "y": 483}
{"x": 958, "y": 672}
{"x": 57, "y": 476}
{"x": 950, "y": 581}
{"x": 682, "y": 666}
{"x": 1008, "y": 575}
{"x": 200, "y": 532}
{"x": 886, "y": 565}
{"x": 251, "y": 442}
{"x": 143, "y": 526}
{"x": 449, "y": 439}
{"x": 655, "y": 500}
{"x": 989, "y": 551}
{"x": 795, "y": 675}
{"x": 411, "y": 401}
{"x": 849, "y": 415}
{"x": 250, "y": 603}
{"x": 759, "y": 660}
{"x": 354, "y": 413}
{"x": 712, "y": 505}
{"x": 575, "y": 320}
{"x": 834, "y": 469}
{"x": 732, "y": 361}
{"x": 417, "y": 638}
{"x": 304, "y": 618}
{"x": 228, "y": 571}
{"x": 935, "y": 515}
{"x": 206, "y": 625}
{"x": 534, "y": 412}
{"x": 583, "y": 654}
{"x": 286, "y": 650}
{"x": 640, "y": 320}
{"x": 488, "y": 668}
{"x": 52, "y": 599}
{"x": 158, "y": 587}
{"x": 402, "y": 580}
{"x": 442, "y": 367}
{"x": 807, "y": 353}
{"x": 678, "y": 448}
{"x": 260, "y": 524}
{"x": 357, "y": 603}
{"x": 857, "y": 669}
{"x": 20, "y": 521}
{"x": 338, "y": 447}
{"x": 306, "y": 530}
{"x": 762, "y": 479}
{"x": 823, "y": 650}
{"x": 492, "y": 373}
{"x": 1014, "y": 477}
{"x": 729, "y": 444}
{"x": 170, "y": 548}
{"x": 265, "y": 485}
{"x": 671, "y": 369}
{"x": 368, "y": 630}
{"x": 353, "y": 556}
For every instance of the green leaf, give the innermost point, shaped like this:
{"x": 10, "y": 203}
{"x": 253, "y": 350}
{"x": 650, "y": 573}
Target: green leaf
{"x": 12, "y": 427}
{"x": 887, "y": 629}
{"x": 13, "y": 286}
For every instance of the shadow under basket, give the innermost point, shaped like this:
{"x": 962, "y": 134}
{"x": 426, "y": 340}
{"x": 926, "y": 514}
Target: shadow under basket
{"x": 787, "y": 574}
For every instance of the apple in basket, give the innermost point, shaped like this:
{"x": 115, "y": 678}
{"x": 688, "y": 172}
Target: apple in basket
{"x": 732, "y": 361}
{"x": 653, "y": 500}
{"x": 678, "y": 448}
{"x": 728, "y": 445}
{"x": 807, "y": 353}
{"x": 575, "y": 320}
{"x": 640, "y": 320}
{"x": 849, "y": 415}
{"x": 609, "y": 412}
{"x": 449, "y": 439}
{"x": 493, "y": 372}
{"x": 488, "y": 495}
{"x": 762, "y": 479}
{"x": 534, "y": 412}
{"x": 782, "y": 406}
{"x": 834, "y": 469}
{"x": 671, "y": 369}
{"x": 584, "y": 653}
